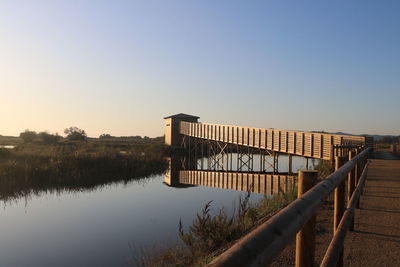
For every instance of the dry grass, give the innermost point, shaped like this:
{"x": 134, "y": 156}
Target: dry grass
{"x": 31, "y": 169}
{"x": 209, "y": 235}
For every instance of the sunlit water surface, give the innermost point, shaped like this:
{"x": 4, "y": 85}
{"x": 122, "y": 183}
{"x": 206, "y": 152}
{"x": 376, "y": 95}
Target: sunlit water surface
{"x": 107, "y": 226}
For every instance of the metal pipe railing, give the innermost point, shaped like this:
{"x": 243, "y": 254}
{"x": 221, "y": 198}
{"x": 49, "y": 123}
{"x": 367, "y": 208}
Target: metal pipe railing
{"x": 262, "y": 245}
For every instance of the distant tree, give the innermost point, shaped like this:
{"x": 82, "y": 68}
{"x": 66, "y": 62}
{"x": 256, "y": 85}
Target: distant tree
{"x": 48, "y": 138}
{"x": 74, "y": 133}
{"x": 28, "y": 136}
{"x": 103, "y": 136}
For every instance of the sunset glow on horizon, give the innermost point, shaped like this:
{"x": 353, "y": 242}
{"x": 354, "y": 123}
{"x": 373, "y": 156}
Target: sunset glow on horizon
{"x": 120, "y": 67}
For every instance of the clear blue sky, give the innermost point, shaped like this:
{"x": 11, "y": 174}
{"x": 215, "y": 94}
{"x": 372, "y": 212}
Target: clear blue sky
{"x": 119, "y": 67}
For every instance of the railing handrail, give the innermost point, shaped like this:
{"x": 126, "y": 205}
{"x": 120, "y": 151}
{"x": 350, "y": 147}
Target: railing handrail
{"x": 354, "y": 137}
{"x": 262, "y": 245}
{"x": 336, "y": 245}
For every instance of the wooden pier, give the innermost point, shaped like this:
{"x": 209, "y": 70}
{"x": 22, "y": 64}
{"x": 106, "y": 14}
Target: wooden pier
{"x": 306, "y": 144}
{"x": 368, "y": 208}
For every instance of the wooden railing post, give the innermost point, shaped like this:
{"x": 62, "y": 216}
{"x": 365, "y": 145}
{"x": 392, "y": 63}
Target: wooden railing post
{"x": 339, "y": 199}
{"x": 339, "y": 195}
{"x": 363, "y": 163}
{"x": 305, "y": 238}
{"x": 351, "y": 185}
{"x": 358, "y": 170}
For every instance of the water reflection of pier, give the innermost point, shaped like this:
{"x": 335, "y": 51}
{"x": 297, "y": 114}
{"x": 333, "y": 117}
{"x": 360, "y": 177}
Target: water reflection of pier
{"x": 261, "y": 183}
{"x": 179, "y": 174}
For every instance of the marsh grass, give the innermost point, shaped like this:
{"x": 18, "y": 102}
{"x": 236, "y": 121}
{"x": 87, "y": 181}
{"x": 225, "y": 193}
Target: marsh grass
{"x": 211, "y": 234}
{"x": 324, "y": 168}
{"x": 31, "y": 169}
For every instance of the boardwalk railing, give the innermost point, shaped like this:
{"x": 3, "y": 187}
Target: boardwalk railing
{"x": 261, "y": 246}
{"x": 307, "y": 144}
{"x": 335, "y": 249}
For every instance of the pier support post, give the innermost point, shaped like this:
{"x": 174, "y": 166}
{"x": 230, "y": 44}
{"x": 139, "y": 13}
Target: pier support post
{"x": 305, "y": 238}
{"x": 351, "y": 185}
{"x": 339, "y": 198}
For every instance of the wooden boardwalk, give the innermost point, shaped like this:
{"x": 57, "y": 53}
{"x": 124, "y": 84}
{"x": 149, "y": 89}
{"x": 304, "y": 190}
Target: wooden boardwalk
{"x": 306, "y": 144}
{"x": 376, "y": 239}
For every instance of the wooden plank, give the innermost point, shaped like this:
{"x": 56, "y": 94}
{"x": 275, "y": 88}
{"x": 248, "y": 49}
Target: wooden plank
{"x": 275, "y": 138}
{"x": 283, "y": 142}
{"x": 246, "y": 136}
{"x": 262, "y": 184}
{"x": 263, "y": 138}
{"x": 279, "y": 141}
{"x": 312, "y": 145}
{"x": 316, "y": 152}
{"x": 270, "y": 139}
{"x": 291, "y": 142}
{"x": 276, "y": 184}
{"x": 307, "y": 144}
{"x": 245, "y": 181}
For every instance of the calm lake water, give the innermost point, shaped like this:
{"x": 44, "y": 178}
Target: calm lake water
{"x": 107, "y": 226}
{"x": 8, "y": 147}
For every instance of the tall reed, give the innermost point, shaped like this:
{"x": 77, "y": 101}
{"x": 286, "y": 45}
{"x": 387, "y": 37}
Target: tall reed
{"x": 210, "y": 234}
{"x": 39, "y": 168}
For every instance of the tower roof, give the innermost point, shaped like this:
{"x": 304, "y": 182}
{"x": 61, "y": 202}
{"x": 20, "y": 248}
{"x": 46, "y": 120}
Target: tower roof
{"x": 182, "y": 116}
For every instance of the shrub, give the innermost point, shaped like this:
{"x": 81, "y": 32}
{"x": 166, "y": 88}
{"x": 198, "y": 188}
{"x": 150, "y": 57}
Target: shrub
{"x": 324, "y": 168}
{"x": 28, "y": 136}
{"x": 75, "y": 134}
{"x": 105, "y": 136}
{"x": 48, "y": 138}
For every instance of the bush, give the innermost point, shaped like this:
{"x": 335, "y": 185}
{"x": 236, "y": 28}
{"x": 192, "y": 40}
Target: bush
{"x": 324, "y": 168}
{"x": 48, "y": 138}
{"x": 75, "y": 134}
{"x": 28, "y": 136}
{"x": 105, "y": 136}
{"x": 4, "y": 153}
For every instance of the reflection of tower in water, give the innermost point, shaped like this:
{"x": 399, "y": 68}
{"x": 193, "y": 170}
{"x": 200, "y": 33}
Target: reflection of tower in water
{"x": 176, "y": 164}
{"x": 183, "y": 173}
